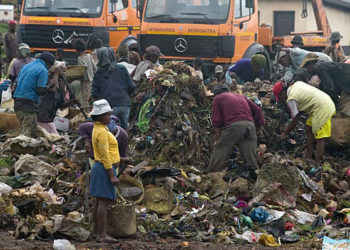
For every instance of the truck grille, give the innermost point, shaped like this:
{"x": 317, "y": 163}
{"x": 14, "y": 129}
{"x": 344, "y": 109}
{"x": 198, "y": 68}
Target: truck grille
{"x": 41, "y": 36}
{"x": 197, "y": 46}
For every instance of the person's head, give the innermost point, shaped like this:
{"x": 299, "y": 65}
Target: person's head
{"x": 111, "y": 54}
{"x": 258, "y": 62}
{"x": 309, "y": 62}
{"x": 280, "y": 91}
{"x": 23, "y": 50}
{"x": 219, "y": 72}
{"x": 101, "y": 112}
{"x": 284, "y": 59}
{"x": 59, "y": 54}
{"x": 197, "y": 63}
{"x": 94, "y": 42}
{"x": 134, "y": 58}
{"x": 12, "y": 25}
{"x": 103, "y": 57}
{"x": 123, "y": 50}
{"x": 152, "y": 53}
{"x": 335, "y": 37}
{"x": 297, "y": 41}
{"x": 79, "y": 45}
{"x": 219, "y": 89}
{"x": 48, "y": 58}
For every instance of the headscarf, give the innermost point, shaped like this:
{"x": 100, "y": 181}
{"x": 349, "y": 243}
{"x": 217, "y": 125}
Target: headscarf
{"x": 112, "y": 58}
{"x": 103, "y": 57}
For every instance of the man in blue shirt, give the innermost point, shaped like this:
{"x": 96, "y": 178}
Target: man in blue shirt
{"x": 32, "y": 83}
{"x": 246, "y": 70}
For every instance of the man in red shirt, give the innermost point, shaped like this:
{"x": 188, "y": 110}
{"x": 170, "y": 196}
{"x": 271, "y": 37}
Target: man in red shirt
{"x": 233, "y": 120}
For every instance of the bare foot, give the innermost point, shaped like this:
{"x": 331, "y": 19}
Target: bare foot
{"x": 106, "y": 239}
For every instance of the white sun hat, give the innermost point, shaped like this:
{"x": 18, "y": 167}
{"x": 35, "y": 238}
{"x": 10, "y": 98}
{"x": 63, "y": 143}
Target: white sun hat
{"x": 101, "y": 107}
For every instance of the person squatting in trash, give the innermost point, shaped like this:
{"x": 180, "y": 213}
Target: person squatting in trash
{"x": 104, "y": 172}
{"x": 334, "y": 50}
{"x": 291, "y": 59}
{"x": 233, "y": 118}
{"x": 85, "y": 131}
{"x": 246, "y": 70}
{"x": 334, "y": 77}
{"x": 32, "y": 83}
{"x": 302, "y": 97}
{"x": 113, "y": 83}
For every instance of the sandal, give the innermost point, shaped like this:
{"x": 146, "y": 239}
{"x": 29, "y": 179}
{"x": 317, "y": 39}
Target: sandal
{"x": 106, "y": 239}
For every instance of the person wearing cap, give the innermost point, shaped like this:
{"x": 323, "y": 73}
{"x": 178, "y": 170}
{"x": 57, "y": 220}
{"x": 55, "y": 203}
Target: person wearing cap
{"x": 297, "y": 41}
{"x": 85, "y": 131}
{"x": 247, "y": 70}
{"x": 302, "y": 97}
{"x": 104, "y": 171}
{"x": 32, "y": 83}
{"x": 334, "y": 49}
{"x": 113, "y": 83}
{"x": 235, "y": 120}
{"x": 151, "y": 55}
{"x": 291, "y": 59}
{"x": 23, "y": 58}
{"x": 219, "y": 73}
{"x": 10, "y": 42}
{"x": 334, "y": 77}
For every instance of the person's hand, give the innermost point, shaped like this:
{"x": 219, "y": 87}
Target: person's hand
{"x": 125, "y": 159}
{"x": 88, "y": 146}
{"x": 114, "y": 181}
{"x": 283, "y": 136}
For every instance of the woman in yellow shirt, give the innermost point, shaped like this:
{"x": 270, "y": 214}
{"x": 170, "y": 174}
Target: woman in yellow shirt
{"x": 103, "y": 172}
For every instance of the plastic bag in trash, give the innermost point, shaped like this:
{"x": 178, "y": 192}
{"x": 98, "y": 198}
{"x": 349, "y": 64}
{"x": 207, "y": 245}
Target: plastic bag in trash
{"x": 36, "y": 167}
{"x": 330, "y": 244}
{"x": 259, "y": 215}
{"x": 62, "y": 245}
{"x": 4, "y": 188}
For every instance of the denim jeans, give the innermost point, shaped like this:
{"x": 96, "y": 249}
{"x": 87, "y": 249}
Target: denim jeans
{"x": 122, "y": 112}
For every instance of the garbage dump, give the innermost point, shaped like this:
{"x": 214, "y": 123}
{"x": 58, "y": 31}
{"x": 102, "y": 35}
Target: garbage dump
{"x": 170, "y": 194}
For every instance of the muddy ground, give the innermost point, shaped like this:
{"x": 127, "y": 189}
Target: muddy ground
{"x": 139, "y": 242}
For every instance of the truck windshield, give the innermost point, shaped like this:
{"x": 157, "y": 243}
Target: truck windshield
{"x": 187, "y": 11}
{"x": 69, "y": 8}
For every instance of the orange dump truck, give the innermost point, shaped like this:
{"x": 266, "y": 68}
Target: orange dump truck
{"x": 52, "y": 24}
{"x": 218, "y": 31}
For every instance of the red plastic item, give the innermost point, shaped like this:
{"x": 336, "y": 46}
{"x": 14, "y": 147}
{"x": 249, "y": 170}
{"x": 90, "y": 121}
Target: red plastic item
{"x": 348, "y": 172}
{"x": 288, "y": 226}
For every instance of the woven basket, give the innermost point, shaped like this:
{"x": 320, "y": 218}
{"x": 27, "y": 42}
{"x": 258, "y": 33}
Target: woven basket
{"x": 75, "y": 72}
{"x": 121, "y": 220}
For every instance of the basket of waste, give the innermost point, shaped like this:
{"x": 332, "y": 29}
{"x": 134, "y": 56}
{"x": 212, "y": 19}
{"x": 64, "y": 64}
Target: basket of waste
{"x": 121, "y": 220}
{"x": 131, "y": 189}
{"x": 159, "y": 199}
{"x": 75, "y": 72}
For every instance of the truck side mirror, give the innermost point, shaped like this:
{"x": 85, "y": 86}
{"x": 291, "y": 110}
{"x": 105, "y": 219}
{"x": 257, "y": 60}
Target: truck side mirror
{"x": 140, "y": 6}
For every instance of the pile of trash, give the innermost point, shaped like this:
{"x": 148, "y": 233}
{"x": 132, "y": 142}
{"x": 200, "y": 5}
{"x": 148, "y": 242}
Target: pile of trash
{"x": 166, "y": 193}
{"x": 174, "y": 119}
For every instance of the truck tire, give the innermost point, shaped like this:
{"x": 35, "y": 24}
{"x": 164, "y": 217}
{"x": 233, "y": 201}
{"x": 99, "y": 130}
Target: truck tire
{"x": 129, "y": 40}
